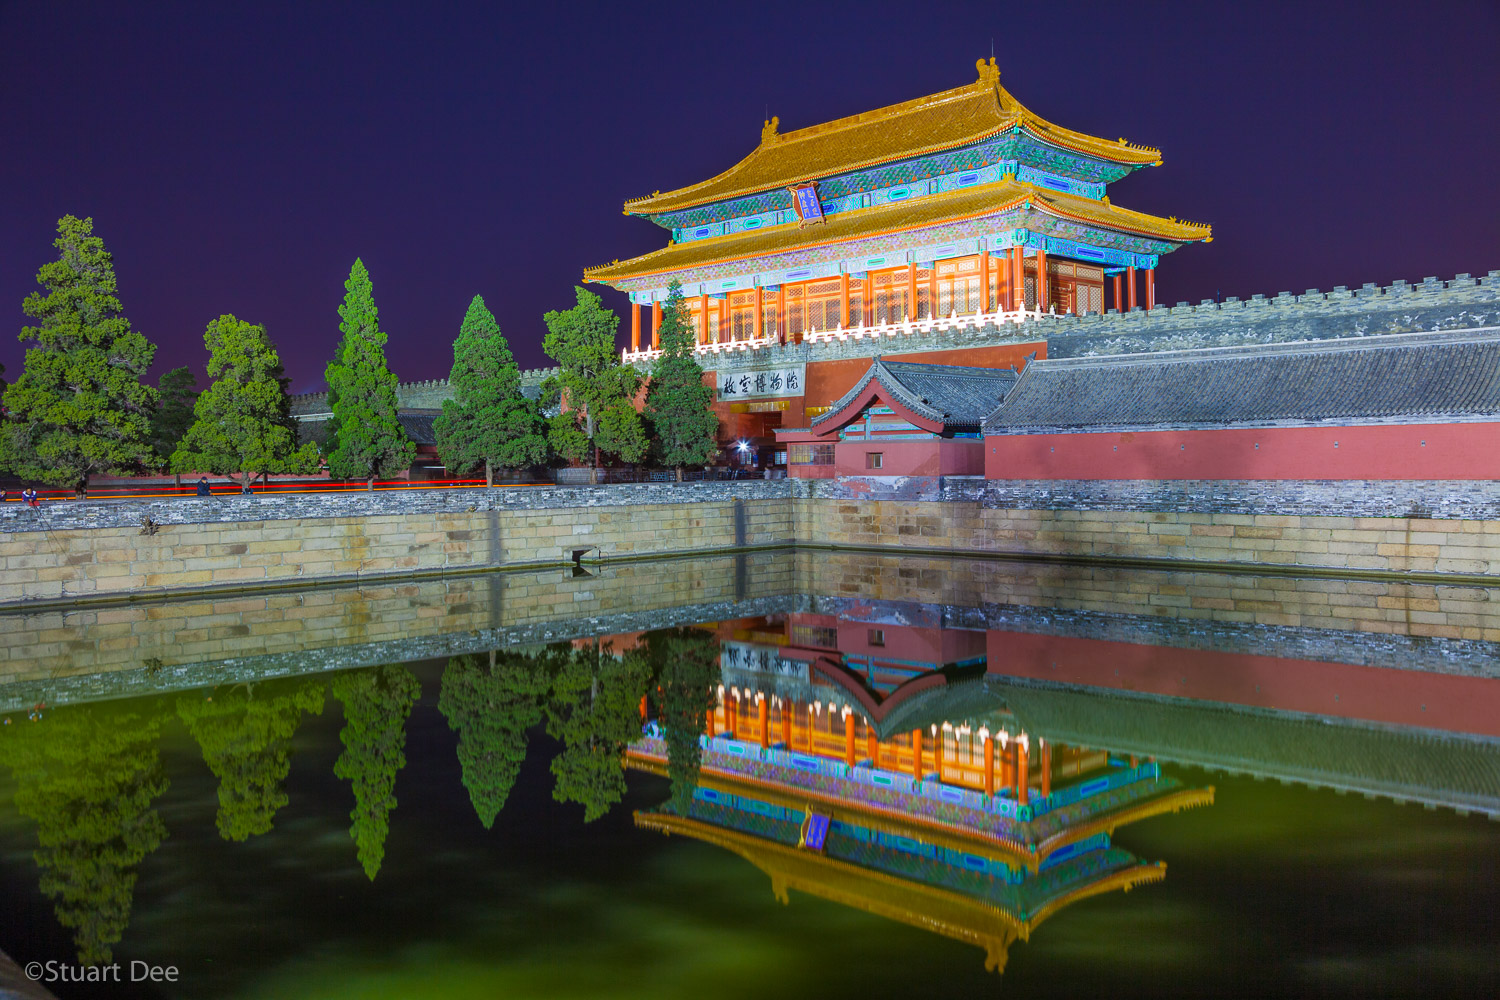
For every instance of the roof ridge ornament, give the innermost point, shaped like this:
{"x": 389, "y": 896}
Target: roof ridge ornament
{"x": 989, "y": 73}
{"x": 768, "y": 133}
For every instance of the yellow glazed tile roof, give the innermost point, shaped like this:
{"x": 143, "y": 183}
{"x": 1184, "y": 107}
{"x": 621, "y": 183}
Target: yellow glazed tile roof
{"x": 929, "y": 124}
{"x": 930, "y": 210}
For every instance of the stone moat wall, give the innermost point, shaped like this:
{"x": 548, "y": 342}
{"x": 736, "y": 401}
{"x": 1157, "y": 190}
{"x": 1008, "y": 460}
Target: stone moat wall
{"x": 125, "y": 549}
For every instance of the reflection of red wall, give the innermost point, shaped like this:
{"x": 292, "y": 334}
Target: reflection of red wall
{"x": 911, "y": 643}
{"x": 1374, "y": 694}
{"x": 1384, "y": 451}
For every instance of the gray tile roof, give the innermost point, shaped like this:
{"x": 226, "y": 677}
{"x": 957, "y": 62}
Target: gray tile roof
{"x": 1424, "y": 376}
{"x": 958, "y": 397}
{"x": 418, "y": 425}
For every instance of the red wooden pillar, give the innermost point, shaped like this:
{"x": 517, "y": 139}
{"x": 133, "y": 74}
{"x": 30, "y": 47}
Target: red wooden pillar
{"x": 989, "y": 766}
{"x": 844, "y": 301}
{"x": 916, "y": 754}
{"x": 1150, "y": 288}
{"x": 984, "y": 281}
{"x": 756, "y": 322}
{"x": 1119, "y": 303}
{"x": 1043, "y": 289}
{"x": 703, "y": 319}
{"x": 635, "y": 326}
{"x": 932, "y": 292}
{"x": 786, "y": 724}
{"x": 1129, "y": 288}
{"x": 867, "y": 317}
{"x": 732, "y": 716}
{"x": 849, "y": 739}
{"x": 781, "y": 314}
{"x": 710, "y": 727}
{"x": 1046, "y": 769}
{"x": 1023, "y": 775}
{"x": 656, "y": 326}
{"x": 911, "y": 291}
{"x": 1017, "y": 278}
{"x": 764, "y": 708}
{"x": 643, "y": 708}
{"x": 872, "y": 746}
{"x": 724, "y": 334}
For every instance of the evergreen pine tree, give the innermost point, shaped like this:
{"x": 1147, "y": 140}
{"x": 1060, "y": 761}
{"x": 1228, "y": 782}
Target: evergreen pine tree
{"x": 176, "y": 392}
{"x": 596, "y": 390}
{"x": 365, "y": 438}
{"x": 492, "y": 702}
{"x": 243, "y": 422}
{"x": 246, "y": 742}
{"x": 79, "y": 407}
{"x": 376, "y": 703}
{"x": 594, "y": 711}
{"x": 488, "y": 421}
{"x": 678, "y": 404}
{"x": 688, "y": 663}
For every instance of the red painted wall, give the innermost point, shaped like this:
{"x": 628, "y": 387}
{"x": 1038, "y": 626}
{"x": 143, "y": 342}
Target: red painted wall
{"x": 1373, "y": 451}
{"x": 911, "y": 458}
{"x": 1375, "y": 694}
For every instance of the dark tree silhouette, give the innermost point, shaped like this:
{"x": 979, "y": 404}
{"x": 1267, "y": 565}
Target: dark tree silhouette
{"x": 595, "y": 711}
{"x": 376, "y": 703}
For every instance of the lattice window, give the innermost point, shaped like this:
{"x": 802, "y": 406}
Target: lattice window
{"x": 810, "y": 454}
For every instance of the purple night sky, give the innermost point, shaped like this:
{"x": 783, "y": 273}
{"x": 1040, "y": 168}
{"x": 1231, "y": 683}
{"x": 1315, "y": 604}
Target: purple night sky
{"x": 237, "y": 158}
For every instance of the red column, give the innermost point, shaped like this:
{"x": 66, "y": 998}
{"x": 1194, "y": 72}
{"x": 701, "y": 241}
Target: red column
{"x": 911, "y": 291}
{"x": 1119, "y": 303}
{"x": 916, "y": 754}
{"x": 643, "y": 708}
{"x": 872, "y": 746}
{"x": 1043, "y": 292}
{"x": 755, "y": 329}
{"x": 844, "y": 300}
{"x": 764, "y": 708}
{"x": 989, "y": 766}
{"x": 781, "y": 314}
{"x": 1017, "y": 278}
{"x": 635, "y": 326}
{"x": 1129, "y": 288}
{"x": 656, "y": 326}
{"x": 849, "y": 739}
{"x": 786, "y": 708}
{"x": 710, "y": 720}
{"x": 724, "y": 334}
{"x": 932, "y": 292}
{"x": 1023, "y": 775}
{"x": 1150, "y": 288}
{"x": 868, "y": 312}
{"x": 1046, "y": 769}
{"x": 984, "y": 281}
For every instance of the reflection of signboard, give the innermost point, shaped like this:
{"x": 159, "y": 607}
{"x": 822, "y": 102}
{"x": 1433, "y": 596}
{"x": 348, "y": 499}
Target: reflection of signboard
{"x": 805, "y": 199}
{"x": 790, "y": 380}
{"x": 755, "y": 658}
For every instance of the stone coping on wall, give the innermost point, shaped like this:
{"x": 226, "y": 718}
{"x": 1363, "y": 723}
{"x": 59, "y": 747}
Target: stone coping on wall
{"x": 68, "y": 515}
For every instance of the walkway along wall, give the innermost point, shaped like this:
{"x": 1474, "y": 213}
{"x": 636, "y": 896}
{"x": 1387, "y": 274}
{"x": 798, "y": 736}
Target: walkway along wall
{"x": 121, "y": 549}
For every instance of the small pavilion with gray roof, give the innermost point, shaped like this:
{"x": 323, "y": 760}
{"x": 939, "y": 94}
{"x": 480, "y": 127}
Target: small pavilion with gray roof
{"x": 901, "y": 419}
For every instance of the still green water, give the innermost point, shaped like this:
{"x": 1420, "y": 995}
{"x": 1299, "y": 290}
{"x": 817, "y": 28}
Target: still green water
{"x": 209, "y": 828}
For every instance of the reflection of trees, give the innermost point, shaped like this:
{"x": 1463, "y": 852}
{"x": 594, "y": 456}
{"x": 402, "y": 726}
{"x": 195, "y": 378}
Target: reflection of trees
{"x": 245, "y": 737}
{"x": 89, "y": 778}
{"x": 376, "y": 703}
{"x": 687, "y": 663}
{"x": 491, "y": 701}
{"x": 594, "y": 710}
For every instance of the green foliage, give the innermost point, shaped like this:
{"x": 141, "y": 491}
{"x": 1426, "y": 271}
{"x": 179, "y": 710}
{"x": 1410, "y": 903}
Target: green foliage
{"x": 243, "y": 422}
{"x": 79, "y": 407}
{"x": 246, "y": 741}
{"x": 491, "y": 702}
{"x": 366, "y": 439}
{"x": 592, "y": 381}
{"x": 687, "y": 664}
{"x": 89, "y": 777}
{"x": 376, "y": 703}
{"x": 678, "y": 404}
{"x": 595, "y": 712}
{"x": 488, "y": 422}
{"x": 175, "y": 392}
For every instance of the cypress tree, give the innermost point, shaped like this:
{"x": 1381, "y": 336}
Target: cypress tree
{"x": 243, "y": 422}
{"x": 376, "y": 703}
{"x": 488, "y": 421}
{"x": 594, "y": 387}
{"x": 594, "y": 712}
{"x": 79, "y": 407}
{"x": 365, "y": 438}
{"x": 678, "y": 404}
{"x": 492, "y": 703}
{"x": 176, "y": 392}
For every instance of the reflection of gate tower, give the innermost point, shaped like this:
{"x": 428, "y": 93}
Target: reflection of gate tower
{"x": 870, "y": 764}
{"x": 952, "y": 212}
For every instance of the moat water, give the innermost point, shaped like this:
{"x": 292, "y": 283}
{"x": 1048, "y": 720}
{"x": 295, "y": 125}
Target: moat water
{"x": 448, "y": 788}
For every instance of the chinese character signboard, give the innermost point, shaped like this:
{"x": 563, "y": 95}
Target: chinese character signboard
{"x": 753, "y": 658}
{"x": 764, "y": 383}
{"x": 805, "y": 199}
